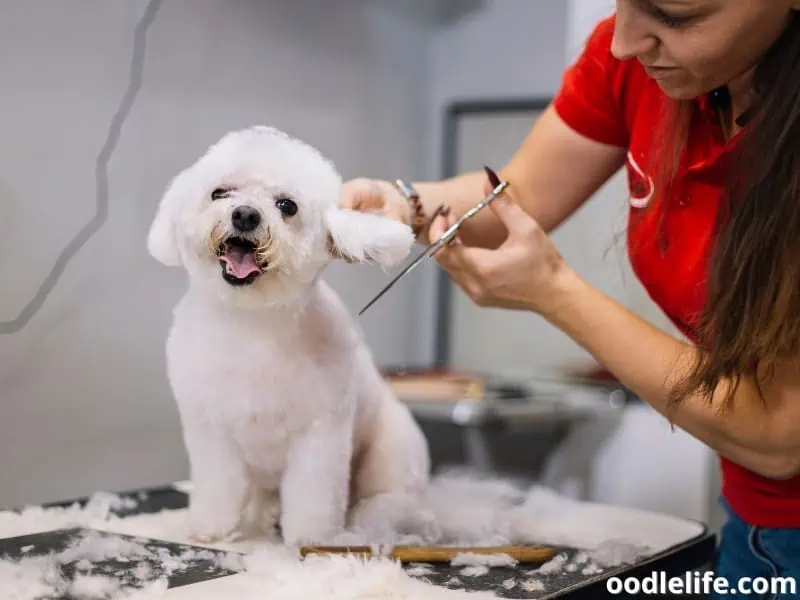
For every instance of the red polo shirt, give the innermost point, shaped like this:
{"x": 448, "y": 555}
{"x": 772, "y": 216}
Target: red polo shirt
{"x": 616, "y": 102}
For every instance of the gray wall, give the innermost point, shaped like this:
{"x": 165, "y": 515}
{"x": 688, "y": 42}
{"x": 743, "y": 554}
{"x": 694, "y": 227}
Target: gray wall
{"x": 84, "y": 398}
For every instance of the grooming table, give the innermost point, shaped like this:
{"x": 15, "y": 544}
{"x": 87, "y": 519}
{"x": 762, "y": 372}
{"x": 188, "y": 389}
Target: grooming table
{"x": 684, "y": 545}
{"x": 514, "y": 425}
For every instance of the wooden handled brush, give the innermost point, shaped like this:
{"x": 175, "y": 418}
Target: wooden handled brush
{"x": 437, "y": 554}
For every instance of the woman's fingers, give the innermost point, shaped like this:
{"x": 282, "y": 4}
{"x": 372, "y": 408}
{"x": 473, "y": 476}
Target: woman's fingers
{"x": 361, "y": 194}
{"x": 516, "y": 220}
{"x": 453, "y": 258}
{"x": 508, "y": 210}
{"x": 439, "y": 225}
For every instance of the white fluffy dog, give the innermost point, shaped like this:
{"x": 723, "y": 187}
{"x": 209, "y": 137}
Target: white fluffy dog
{"x": 284, "y": 413}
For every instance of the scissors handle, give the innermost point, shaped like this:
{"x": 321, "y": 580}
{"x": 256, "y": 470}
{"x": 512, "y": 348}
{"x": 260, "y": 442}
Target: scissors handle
{"x": 451, "y": 231}
{"x": 447, "y": 236}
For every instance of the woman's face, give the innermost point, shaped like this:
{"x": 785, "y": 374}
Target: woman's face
{"x": 691, "y": 47}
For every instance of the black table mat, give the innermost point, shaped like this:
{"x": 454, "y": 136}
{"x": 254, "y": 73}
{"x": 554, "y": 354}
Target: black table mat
{"x": 527, "y": 582}
{"x": 197, "y": 570}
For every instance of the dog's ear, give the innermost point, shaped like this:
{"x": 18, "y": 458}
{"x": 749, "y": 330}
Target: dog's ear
{"x": 162, "y": 241}
{"x": 359, "y": 237}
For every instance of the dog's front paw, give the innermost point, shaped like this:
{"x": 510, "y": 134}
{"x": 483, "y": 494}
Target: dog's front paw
{"x": 299, "y": 528}
{"x": 206, "y": 527}
{"x": 295, "y": 539}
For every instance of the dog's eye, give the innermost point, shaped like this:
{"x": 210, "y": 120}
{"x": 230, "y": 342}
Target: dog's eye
{"x": 287, "y": 206}
{"x": 220, "y": 193}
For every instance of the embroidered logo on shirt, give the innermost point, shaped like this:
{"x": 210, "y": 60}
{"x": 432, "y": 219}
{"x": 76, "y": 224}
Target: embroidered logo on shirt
{"x": 641, "y": 186}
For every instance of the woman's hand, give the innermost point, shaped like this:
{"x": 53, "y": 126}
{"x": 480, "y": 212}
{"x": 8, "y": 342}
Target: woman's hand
{"x": 526, "y": 272}
{"x": 375, "y": 196}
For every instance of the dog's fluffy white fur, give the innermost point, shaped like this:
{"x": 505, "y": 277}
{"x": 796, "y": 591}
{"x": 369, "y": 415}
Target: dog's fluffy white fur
{"x": 285, "y": 416}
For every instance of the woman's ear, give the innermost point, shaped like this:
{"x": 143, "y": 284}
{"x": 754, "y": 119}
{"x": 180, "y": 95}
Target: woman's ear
{"x": 359, "y": 237}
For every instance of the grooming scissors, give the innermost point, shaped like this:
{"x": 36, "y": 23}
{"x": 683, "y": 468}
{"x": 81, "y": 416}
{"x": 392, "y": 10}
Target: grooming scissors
{"x": 498, "y": 188}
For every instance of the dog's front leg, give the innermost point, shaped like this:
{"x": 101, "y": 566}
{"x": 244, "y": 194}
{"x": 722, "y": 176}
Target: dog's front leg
{"x": 220, "y": 482}
{"x": 315, "y": 486}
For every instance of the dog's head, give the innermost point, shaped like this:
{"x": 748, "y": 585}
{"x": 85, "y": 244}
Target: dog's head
{"x": 256, "y": 219}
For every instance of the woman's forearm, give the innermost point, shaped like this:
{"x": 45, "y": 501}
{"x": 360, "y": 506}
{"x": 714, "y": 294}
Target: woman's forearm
{"x": 649, "y": 361}
{"x": 552, "y": 173}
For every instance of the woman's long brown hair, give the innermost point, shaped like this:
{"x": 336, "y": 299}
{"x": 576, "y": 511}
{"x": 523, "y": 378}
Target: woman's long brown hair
{"x": 751, "y": 318}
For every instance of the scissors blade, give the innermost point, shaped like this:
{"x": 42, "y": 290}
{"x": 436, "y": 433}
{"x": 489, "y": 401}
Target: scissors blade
{"x": 430, "y": 251}
{"x": 446, "y": 238}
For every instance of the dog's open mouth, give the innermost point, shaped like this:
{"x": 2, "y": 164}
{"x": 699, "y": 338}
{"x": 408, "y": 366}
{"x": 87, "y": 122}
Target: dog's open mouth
{"x": 237, "y": 256}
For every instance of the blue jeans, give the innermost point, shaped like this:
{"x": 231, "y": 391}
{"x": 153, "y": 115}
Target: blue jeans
{"x": 753, "y": 552}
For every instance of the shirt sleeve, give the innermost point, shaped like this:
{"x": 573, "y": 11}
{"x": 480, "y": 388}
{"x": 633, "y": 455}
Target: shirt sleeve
{"x": 586, "y": 100}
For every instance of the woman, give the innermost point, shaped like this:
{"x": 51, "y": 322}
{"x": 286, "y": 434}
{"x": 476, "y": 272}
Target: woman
{"x": 700, "y": 101}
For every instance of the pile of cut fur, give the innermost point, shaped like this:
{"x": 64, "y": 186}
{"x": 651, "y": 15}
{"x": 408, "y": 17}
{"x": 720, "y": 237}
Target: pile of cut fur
{"x": 462, "y": 511}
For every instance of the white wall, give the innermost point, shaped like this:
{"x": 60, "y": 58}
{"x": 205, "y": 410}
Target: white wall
{"x": 509, "y": 49}
{"x": 84, "y": 398}
{"x": 583, "y": 15}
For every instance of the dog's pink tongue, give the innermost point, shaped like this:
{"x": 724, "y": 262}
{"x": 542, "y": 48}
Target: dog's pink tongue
{"x": 240, "y": 263}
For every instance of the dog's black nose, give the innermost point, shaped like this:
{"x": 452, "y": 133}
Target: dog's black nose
{"x": 245, "y": 218}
